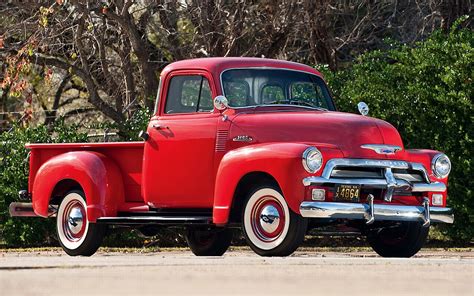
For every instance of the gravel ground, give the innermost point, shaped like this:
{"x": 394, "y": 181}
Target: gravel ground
{"x": 239, "y": 272}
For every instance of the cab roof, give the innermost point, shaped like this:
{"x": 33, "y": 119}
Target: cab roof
{"x": 218, "y": 64}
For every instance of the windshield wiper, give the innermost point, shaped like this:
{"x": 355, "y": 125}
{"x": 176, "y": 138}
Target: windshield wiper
{"x": 292, "y": 105}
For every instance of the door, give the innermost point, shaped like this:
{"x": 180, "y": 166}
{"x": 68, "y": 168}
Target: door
{"x": 179, "y": 154}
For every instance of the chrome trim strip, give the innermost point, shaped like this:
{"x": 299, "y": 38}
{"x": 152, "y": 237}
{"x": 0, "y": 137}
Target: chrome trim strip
{"x": 419, "y": 167}
{"x": 391, "y": 184}
{"x": 371, "y": 163}
{"x": 426, "y": 216}
{"x": 378, "y": 183}
{"x": 336, "y": 210}
{"x": 370, "y": 213}
{"x": 155, "y": 220}
{"x": 425, "y": 187}
{"x": 374, "y": 183}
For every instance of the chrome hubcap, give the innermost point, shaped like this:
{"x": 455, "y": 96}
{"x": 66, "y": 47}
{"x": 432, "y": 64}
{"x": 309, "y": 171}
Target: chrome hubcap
{"x": 269, "y": 219}
{"x": 75, "y": 220}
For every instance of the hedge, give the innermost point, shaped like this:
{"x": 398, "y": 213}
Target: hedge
{"x": 426, "y": 92}
{"x": 14, "y": 167}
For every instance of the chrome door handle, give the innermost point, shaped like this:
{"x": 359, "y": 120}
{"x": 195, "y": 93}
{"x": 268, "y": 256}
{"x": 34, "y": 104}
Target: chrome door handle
{"x": 159, "y": 126}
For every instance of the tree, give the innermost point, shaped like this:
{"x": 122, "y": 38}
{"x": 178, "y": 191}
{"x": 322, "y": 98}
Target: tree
{"x": 111, "y": 52}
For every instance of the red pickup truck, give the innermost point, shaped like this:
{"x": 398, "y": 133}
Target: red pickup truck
{"x": 246, "y": 143}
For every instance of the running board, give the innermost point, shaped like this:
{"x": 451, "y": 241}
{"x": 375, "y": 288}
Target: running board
{"x": 157, "y": 220}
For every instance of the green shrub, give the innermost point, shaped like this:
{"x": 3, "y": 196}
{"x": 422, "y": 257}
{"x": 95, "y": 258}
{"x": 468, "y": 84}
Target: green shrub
{"x": 21, "y": 232}
{"x": 426, "y": 92}
{"x": 137, "y": 122}
{"x": 14, "y": 167}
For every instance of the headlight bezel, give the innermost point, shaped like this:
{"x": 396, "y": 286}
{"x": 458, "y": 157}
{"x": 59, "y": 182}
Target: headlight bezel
{"x": 435, "y": 160}
{"x": 307, "y": 154}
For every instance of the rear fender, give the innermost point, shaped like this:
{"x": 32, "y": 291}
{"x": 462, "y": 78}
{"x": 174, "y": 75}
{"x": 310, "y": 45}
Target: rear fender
{"x": 283, "y": 161}
{"x": 99, "y": 177}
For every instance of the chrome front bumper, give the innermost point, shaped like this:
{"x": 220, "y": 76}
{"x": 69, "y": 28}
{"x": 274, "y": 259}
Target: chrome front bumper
{"x": 370, "y": 211}
{"x": 374, "y": 212}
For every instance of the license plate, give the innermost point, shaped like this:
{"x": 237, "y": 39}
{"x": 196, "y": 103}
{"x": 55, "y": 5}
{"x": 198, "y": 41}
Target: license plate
{"x": 347, "y": 192}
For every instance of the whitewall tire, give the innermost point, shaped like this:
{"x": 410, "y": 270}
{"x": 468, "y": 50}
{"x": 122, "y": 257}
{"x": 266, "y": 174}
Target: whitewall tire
{"x": 269, "y": 226}
{"x": 76, "y": 235}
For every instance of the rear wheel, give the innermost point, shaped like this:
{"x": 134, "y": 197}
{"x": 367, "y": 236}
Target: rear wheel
{"x": 208, "y": 242}
{"x": 402, "y": 240}
{"x": 269, "y": 226}
{"x": 76, "y": 235}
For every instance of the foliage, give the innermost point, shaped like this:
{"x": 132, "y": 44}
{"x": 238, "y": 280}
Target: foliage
{"x": 426, "y": 92}
{"x": 136, "y": 123}
{"x": 14, "y": 168}
{"x": 102, "y": 57}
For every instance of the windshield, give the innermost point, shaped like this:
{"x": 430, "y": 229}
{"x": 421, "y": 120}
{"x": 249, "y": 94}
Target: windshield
{"x": 254, "y": 87}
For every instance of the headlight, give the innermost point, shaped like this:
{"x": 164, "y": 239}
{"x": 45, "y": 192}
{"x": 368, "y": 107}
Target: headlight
{"x": 441, "y": 165}
{"x": 312, "y": 159}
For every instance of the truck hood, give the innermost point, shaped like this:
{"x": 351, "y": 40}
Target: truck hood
{"x": 344, "y": 131}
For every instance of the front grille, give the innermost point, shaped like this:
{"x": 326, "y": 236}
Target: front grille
{"x": 357, "y": 172}
{"x": 411, "y": 176}
{"x": 382, "y": 178}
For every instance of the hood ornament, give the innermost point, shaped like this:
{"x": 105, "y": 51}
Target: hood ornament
{"x": 382, "y": 149}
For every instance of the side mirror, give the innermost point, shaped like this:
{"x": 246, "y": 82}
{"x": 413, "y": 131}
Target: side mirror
{"x": 221, "y": 103}
{"x": 363, "y": 108}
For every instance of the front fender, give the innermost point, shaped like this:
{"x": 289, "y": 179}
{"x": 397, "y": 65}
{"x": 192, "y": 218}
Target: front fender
{"x": 280, "y": 160}
{"x": 425, "y": 157}
{"x": 99, "y": 177}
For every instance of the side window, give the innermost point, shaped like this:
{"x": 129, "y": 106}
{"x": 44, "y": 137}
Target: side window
{"x": 188, "y": 94}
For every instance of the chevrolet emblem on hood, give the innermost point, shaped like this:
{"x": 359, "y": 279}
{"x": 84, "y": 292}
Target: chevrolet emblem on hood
{"x": 382, "y": 149}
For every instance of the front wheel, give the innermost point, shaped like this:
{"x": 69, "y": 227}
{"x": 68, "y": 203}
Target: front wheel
{"x": 76, "y": 235}
{"x": 401, "y": 240}
{"x": 269, "y": 226}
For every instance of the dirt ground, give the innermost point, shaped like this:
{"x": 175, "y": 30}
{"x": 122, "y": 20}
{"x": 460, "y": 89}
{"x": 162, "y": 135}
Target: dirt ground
{"x": 239, "y": 272}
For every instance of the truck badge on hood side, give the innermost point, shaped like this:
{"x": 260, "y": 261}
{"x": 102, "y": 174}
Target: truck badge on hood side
{"x": 243, "y": 138}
